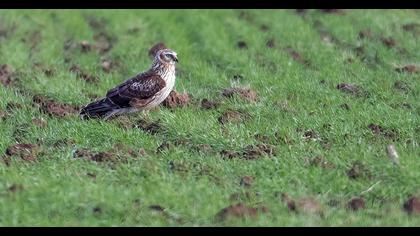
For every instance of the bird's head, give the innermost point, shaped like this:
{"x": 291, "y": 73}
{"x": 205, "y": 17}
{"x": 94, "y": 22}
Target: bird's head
{"x": 166, "y": 56}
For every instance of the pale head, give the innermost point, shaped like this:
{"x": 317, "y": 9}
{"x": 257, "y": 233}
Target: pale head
{"x": 166, "y": 56}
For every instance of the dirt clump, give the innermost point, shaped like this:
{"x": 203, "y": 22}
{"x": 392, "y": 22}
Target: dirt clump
{"x": 94, "y": 156}
{"x": 387, "y": 133}
{"x": 176, "y": 99}
{"x": 389, "y": 42}
{"x": 242, "y": 45}
{"x": 252, "y": 152}
{"x": 306, "y": 205}
{"x": 103, "y": 42}
{"x": 229, "y": 154}
{"x": 54, "y": 108}
{"x": 412, "y": 205}
{"x": 297, "y": 56}
{"x": 208, "y": 104}
{"x": 108, "y": 65}
{"x": 246, "y": 181}
{"x": 349, "y": 88}
{"x": 408, "y": 68}
{"x": 245, "y": 93}
{"x": 15, "y": 188}
{"x": 149, "y": 126}
{"x": 356, "y": 204}
{"x": 26, "y": 151}
{"x": 358, "y": 170}
{"x": 412, "y": 27}
{"x": 5, "y": 74}
{"x": 240, "y": 210}
{"x": 233, "y": 116}
{"x": 83, "y": 75}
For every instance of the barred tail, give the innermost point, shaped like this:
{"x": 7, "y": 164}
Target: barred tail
{"x": 99, "y": 109}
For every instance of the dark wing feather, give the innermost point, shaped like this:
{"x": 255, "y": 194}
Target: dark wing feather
{"x": 140, "y": 89}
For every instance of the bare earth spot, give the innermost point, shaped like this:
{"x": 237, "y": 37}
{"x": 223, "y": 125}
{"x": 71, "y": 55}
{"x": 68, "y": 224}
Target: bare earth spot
{"x": 148, "y": 126}
{"x": 103, "y": 42}
{"x": 155, "y": 48}
{"x": 3, "y": 115}
{"x": 83, "y": 75}
{"x": 246, "y": 181}
{"x": 296, "y": 56}
{"x": 207, "y": 104}
{"x": 176, "y": 99}
{"x": 358, "y": 170}
{"x": 242, "y": 45}
{"x": 85, "y": 46}
{"x": 233, "y": 116}
{"x": 26, "y": 151}
{"x": 253, "y": 152}
{"x": 356, "y": 204}
{"x": 51, "y": 107}
{"x": 5, "y": 72}
{"x": 15, "y": 188}
{"x": 389, "y": 42}
{"x": 408, "y": 68}
{"x": 40, "y": 122}
{"x": 156, "y": 207}
{"x": 245, "y": 93}
{"x": 412, "y": 205}
{"x": 290, "y": 203}
{"x": 388, "y": 133}
{"x": 239, "y": 210}
{"x": 412, "y": 27}
{"x": 108, "y": 65}
{"x": 305, "y": 205}
{"x": 349, "y": 88}
{"x": 93, "y": 156}
{"x": 229, "y": 154}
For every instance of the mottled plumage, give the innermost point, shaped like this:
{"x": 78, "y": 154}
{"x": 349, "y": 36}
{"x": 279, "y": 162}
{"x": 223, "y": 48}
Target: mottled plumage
{"x": 142, "y": 92}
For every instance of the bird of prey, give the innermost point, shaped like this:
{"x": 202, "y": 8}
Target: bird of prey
{"x": 140, "y": 93}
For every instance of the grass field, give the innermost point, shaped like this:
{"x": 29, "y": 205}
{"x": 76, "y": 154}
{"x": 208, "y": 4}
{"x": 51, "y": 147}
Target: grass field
{"x": 304, "y": 145}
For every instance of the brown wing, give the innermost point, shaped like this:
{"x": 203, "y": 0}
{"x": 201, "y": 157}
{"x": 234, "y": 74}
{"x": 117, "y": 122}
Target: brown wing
{"x": 138, "y": 90}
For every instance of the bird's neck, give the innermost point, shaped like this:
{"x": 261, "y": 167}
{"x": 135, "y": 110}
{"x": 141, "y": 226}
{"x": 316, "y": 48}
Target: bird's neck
{"x": 163, "y": 70}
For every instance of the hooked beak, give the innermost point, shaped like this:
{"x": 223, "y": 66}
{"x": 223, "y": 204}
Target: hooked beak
{"x": 175, "y": 58}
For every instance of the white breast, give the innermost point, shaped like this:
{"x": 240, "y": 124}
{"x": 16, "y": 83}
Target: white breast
{"x": 163, "y": 94}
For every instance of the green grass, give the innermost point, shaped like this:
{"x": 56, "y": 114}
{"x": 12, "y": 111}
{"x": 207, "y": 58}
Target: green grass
{"x": 56, "y": 190}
